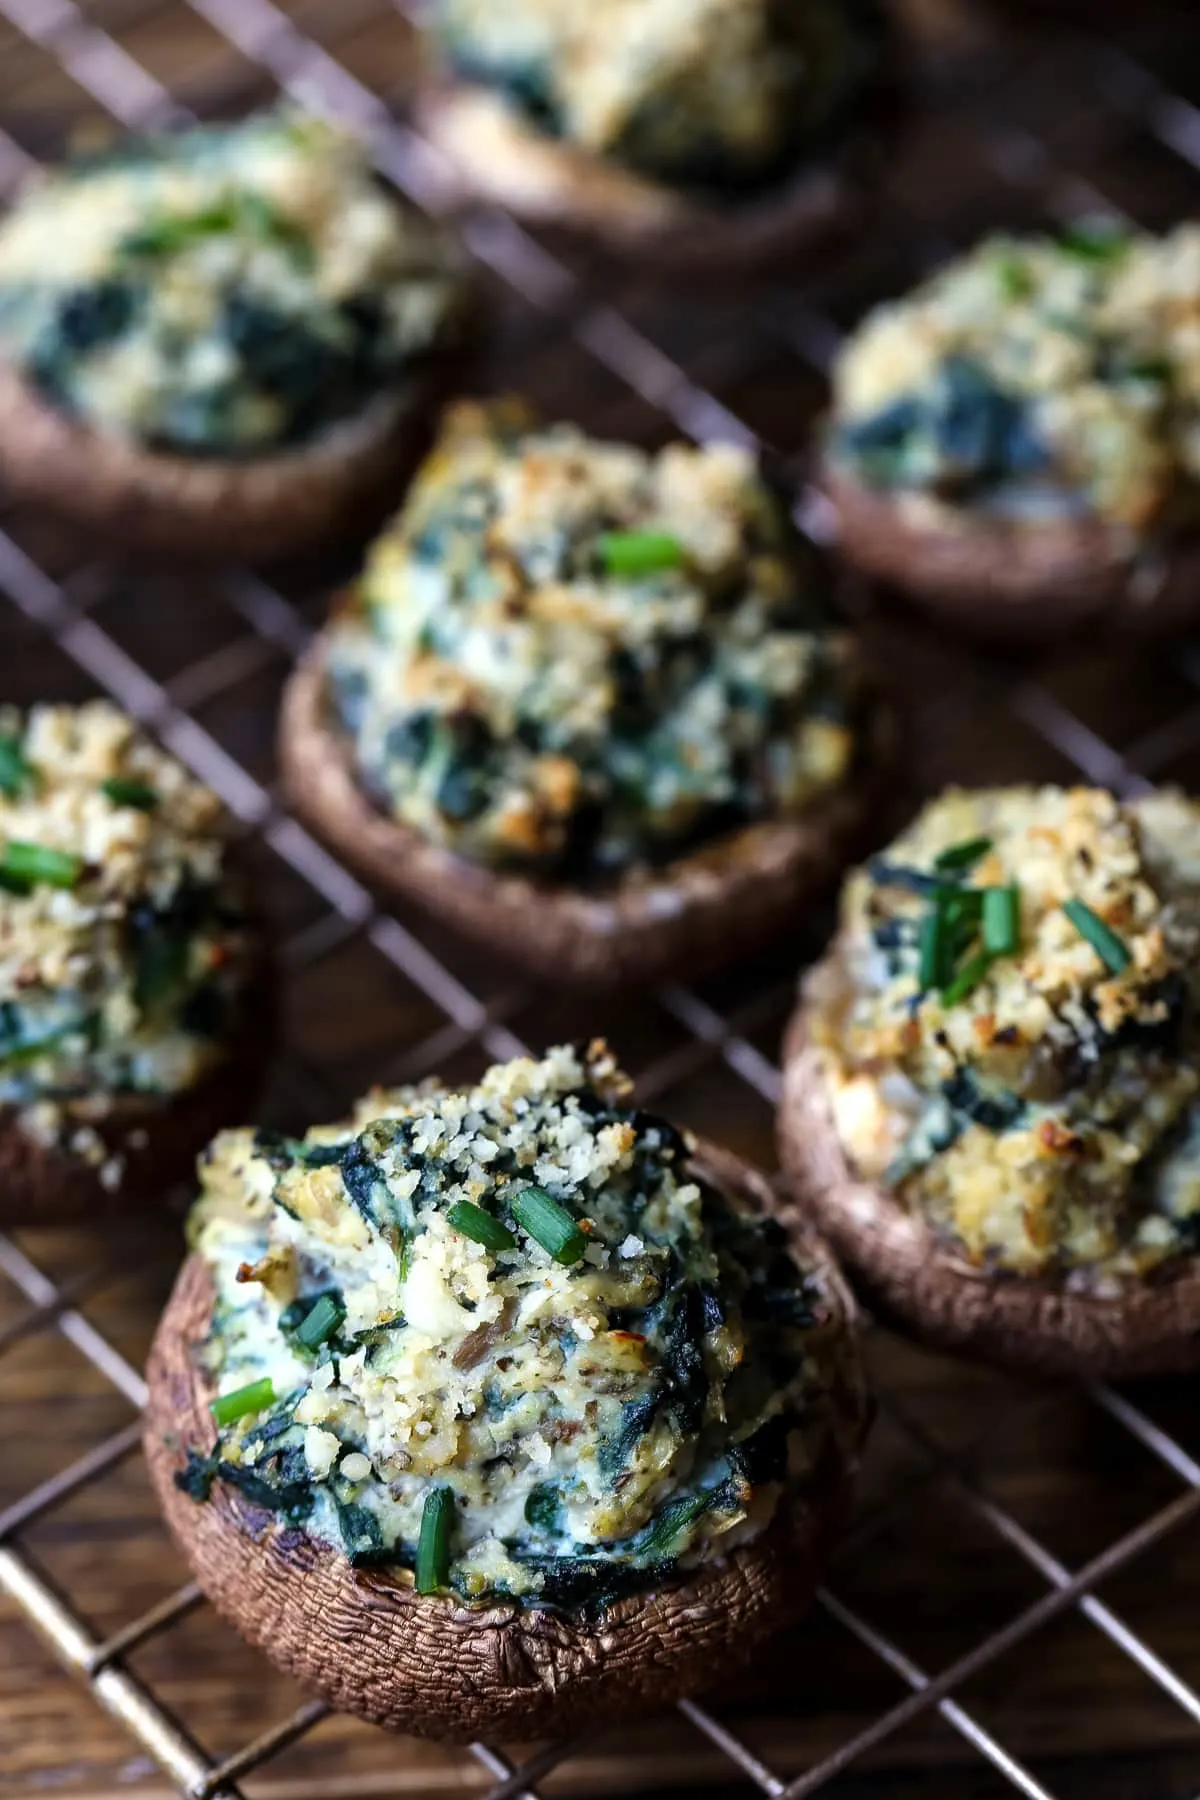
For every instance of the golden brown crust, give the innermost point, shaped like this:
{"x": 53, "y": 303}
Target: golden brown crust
{"x": 693, "y": 914}
{"x": 1151, "y": 1328}
{"x": 1017, "y": 582}
{"x": 496, "y": 159}
{"x": 255, "y": 509}
{"x": 371, "y": 1645}
{"x": 156, "y": 1139}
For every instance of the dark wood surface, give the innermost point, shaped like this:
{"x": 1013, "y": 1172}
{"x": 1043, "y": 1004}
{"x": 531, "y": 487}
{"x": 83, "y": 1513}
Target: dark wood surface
{"x": 1013, "y": 105}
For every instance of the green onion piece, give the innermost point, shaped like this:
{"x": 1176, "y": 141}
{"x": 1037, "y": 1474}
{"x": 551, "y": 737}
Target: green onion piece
{"x": 253, "y": 1398}
{"x": 124, "y": 791}
{"x": 14, "y": 770}
{"x": 963, "y": 856}
{"x": 320, "y": 1322}
{"x": 967, "y": 979}
{"x": 27, "y": 864}
{"x": 636, "y": 553}
{"x": 1096, "y": 240}
{"x": 433, "y": 1545}
{"x": 1001, "y": 920}
{"x": 548, "y": 1224}
{"x": 930, "y": 948}
{"x": 1016, "y": 277}
{"x": 480, "y": 1227}
{"x": 1104, "y": 941}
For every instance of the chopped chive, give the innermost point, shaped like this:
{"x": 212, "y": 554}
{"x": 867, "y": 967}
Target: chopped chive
{"x": 967, "y": 979}
{"x": 256, "y": 1396}
{"x": 26, "y": 864}
{"x": 14, "y": 770}
{"x": 1096, "y": 240}
{"x": 964, "y": 855}
{"x": 636, "y": 553}
{"x": 433, "y": 1545}
{"x": 320, "y": 1322}
{"x": 931, "y": 945}
{"x": 480, "y": 1227}
{"x": 1104, "y": 941}
{"x": 1001, "y": 920}
{"x": 124, "y": 791}
{"x": 548, "y": 1224}
{"x": 1016, "y": 277}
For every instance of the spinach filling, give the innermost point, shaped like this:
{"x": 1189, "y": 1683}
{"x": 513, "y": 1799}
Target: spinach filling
{"x": 964, "y": 438}
{"x": 732, "y": 1433}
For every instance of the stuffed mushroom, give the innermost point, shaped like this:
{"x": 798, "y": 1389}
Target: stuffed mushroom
{"x": 1017, "y": 443}
{"x": 705, "y": 128}
{"x": 494, "y": 1405}
{"x": 584, "y": 704}
{"x": 992, "y": 1087}
{"x": 134, "y": 998}
{"x": 224, "y": 340}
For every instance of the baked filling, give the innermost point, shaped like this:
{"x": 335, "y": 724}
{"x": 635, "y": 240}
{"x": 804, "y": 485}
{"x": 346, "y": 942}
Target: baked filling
{"x": 1007, "y": 1029}
{"x": 573, "y": 657}
{"x": 123, "y": 940}
{"x": 506, "y": 1339}
{"x": 223, "y": 291}
{"x": 719, "y": 96}
{"x": 1036, "y": 380}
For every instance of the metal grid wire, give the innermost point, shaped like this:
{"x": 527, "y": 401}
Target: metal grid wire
{"x": 1065, "y": 726}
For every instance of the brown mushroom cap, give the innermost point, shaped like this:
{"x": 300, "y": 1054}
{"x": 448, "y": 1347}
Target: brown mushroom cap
{"x": 697, "y": 912}
{"x": 1151, "y": 1327}
{"x": 1010, "y": 581}
{"x": 498, "y": 159}
{"x": 156, "y": 1137}
{"x": 436, "y": 1667}
{"x": 254, "y": 508}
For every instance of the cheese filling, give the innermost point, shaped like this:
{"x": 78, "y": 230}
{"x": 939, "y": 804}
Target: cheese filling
{"x": 635, "y": 1393}
{"x": 710, "y": 94}
{"x": 223, "y": 291}
{"x": 1036, "y": 380}
{"x": 123, "y": 945}
{"x": 576, "y": 656}
{"x": 1036, "y": 1101}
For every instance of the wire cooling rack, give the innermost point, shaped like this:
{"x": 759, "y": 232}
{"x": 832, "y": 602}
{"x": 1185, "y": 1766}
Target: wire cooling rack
{"x": 1012, "y": 1610}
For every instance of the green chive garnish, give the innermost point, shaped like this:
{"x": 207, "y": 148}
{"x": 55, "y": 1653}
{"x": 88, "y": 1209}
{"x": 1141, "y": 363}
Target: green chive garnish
{"x": 433, "y": 1545}
{"x": 963, "y": 856}
{"x": 931, "y": 945}
{"x": 14, "y": 770}
{"x": 967, "y": 979}
{"x": 636, "y": 553}
{"x": 320, "y": 1322}
{"x": 124, "y": 791}
{"x": 255, "y": 1397}
{"x": 1104, "y": 941}
{"x": 1096, "y": 240}
{"x": 27, "y": 864}
{"x": 480, "y": 1227}
{"x": 548, "y": 1224}
{"x": 1001, "y": 920}
{"x": 1016, "y": 277}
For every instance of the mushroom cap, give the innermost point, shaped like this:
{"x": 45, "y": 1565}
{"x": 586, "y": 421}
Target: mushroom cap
{"x": 909, "y": 1276}
{"x": 157, "y": 1137}
{"x": 1011, "y": 582}
{"x": 435, "y": 1667}
{"x": 699, "y": 911}
{"x": 497, "y": 159}
{"x": 255, "y": 508}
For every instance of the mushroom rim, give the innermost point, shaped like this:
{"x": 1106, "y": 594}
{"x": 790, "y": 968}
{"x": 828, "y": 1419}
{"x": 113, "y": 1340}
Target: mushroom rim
{"x": 442, "y": 1668}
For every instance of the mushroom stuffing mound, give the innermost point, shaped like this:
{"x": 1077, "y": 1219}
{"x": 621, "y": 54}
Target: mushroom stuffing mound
{"x": 992, "y": 1087}
{"x": 231, "y": 325}
{"x": 1017, "y": 443}
{"x": 584, "y": 703}
{"x": 490, "y": 1405}
{"x": 713, "y": 128}
{"x": 133, "y": 1015}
